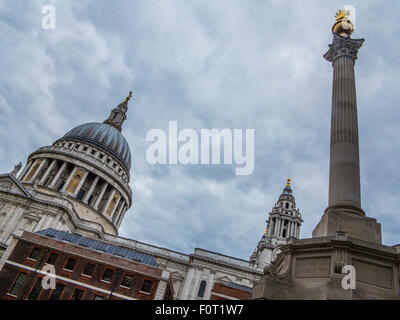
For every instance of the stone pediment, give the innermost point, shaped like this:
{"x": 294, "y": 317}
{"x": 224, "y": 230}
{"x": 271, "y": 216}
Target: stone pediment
{"x": 224, "y": 279}
{"x": 9, "y": 183}
{"x": 176, "y": 276}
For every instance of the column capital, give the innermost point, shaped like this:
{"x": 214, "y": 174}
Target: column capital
{"x": 343, "y": 46}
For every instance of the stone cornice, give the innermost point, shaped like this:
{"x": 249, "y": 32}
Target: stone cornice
{"x": 342, "y": 46}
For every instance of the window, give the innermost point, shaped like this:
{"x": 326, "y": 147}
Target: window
{"x": 108, "y": 160}
{"x": 107, "y": 275}
{"x": 287, "y": 205}
{"x": 147, "y": 286}
{"x": 85, "y": 149}
{"x": 89, "y": 269}
{"x": 77, "y": 146}
{"x": 18, "y": 284}
{"x": 202, "y": 289}
{"x": 52, "y": 259}
{"x": 78, "y": 294}
{"x": 101, "y": 156}
{"x": 127, "y": 281}
{"x": 56, "y": 294}
{"x": 80, "y": 194}
{"x": 90, "y": 199}
{"x": 36, "y": 290}
{"x": 60, "y": 186}
{"x": 93, "y": 152}
{"x": 96, "y": 297}
{"x": 70, "y": 264}
{"x": 34, "y": 254}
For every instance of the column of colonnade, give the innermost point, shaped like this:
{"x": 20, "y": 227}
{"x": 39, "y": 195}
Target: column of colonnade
{"x": 119, "y": 207}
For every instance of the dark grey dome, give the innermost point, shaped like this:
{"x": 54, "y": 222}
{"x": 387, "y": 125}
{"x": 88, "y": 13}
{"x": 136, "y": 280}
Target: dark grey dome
{"x": 103, "y": 136}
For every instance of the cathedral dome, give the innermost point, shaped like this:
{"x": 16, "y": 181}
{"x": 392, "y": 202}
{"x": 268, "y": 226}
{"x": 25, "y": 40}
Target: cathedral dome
{"x": 104, "y": 136}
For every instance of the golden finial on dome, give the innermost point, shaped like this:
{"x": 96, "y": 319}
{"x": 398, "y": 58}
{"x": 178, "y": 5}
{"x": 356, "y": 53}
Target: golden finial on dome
{"x": 343, "y": 25}
{"x": 128, "y": 97}
{"x": 288, "y": 182}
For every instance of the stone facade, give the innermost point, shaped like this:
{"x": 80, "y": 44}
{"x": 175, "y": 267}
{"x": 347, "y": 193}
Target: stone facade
{"x": 80, "y": 185}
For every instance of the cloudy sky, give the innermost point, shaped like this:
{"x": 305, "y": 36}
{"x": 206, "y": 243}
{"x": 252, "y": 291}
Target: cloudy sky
{"x": 206, "y": 64}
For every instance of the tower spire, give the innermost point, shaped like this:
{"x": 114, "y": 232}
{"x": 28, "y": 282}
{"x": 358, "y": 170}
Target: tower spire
{"x": 118, "y": 114}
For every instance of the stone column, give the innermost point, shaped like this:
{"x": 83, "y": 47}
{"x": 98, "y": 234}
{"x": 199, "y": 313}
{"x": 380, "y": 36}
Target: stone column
{"x": 64, "y": 188}
{"x": 38, "y": 169}
{"x": 278, "y": 226}
{"x": 103, "y": 190}
{"x": 117, "y": 214}
{"x": 344, "y": 170}
{"x": 115, "y": 207}
{"x": 89, "y": 193}
{"x": 108, "y": 202}
{"x": 46, "y": 174}
{"x": 121, "y": 215}
{"x": 57, "y": 176}
{"x": 81, "y": 182}
{"x": 25, "y": 170}
{"x": 30, "y": 169}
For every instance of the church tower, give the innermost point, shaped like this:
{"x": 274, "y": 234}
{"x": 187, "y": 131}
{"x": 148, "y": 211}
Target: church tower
{"x": 79, "y": 184}
{"x": 284, "y": 222}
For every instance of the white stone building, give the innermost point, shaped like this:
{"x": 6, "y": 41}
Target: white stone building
{"x": 80, "y": 184}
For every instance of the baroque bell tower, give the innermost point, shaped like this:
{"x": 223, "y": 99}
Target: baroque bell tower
{"x": 284, "y": 222}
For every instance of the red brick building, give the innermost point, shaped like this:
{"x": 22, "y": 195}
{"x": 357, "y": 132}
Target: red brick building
{"x": 85, "y": 269}
{"x": 230, "y": 291}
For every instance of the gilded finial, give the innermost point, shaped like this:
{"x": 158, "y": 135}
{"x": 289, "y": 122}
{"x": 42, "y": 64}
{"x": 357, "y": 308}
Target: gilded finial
{"x": 128, "y": 97}
{"x": 266, "y": 229}
{"x": 288, "y": 182}
{"x": 343, "y": 25}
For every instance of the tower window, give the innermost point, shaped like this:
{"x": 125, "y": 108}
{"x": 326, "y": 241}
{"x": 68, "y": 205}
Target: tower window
{"x": 89, "y": 269}
{"x": 36, "y": 290}
{"x": 78, "y": 294}
{"x": 284, "y": 233}
{"x": 101, "y": 156}
{"x": 77, "y": 146}
{"x": 34, "y": 254}
{"x": 60, "y": 186}
{"x": 147, "y": 286}
{"x": 80, "y": 194}
{"x": 70, "y": 264}
{"x": 202, "y": 289}
{"x": 18, "y": 284}
{"x": 93, "y": 152}
{"x": 287, "y": 205}
{"x": 85, "y": 148}
{"x": 52, "y": 259}
{"x": 107, "y": 275}
{"x": 127, "y": 281}
{"x": 56, "y": 294}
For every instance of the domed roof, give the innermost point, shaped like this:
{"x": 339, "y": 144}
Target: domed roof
{"x": 104, "y": 136}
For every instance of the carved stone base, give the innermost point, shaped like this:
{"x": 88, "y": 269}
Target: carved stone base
{"x": 355, "y": 225}
{"x": 311, "y": 269}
